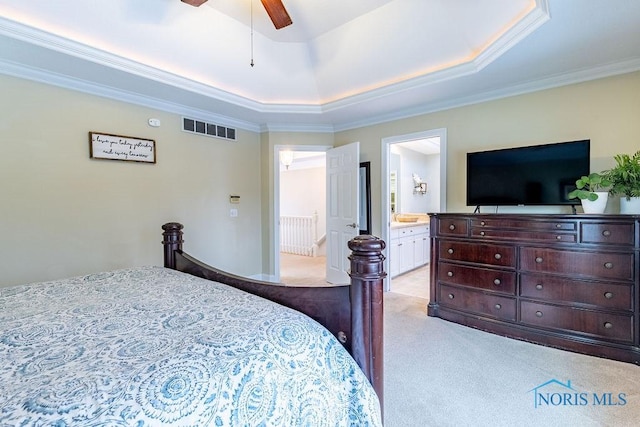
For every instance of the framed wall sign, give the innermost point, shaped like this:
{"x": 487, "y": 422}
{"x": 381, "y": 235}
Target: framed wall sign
{"x": 118, "y": 147}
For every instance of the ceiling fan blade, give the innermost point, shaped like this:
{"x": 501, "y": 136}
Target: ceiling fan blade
{"x": 195, "y": 3}
{"x": 278, "y": 14}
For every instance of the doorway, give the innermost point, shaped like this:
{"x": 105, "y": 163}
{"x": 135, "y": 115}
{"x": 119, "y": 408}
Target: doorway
{"x": 413, "y": 180}
{"x": 300, "y": 214}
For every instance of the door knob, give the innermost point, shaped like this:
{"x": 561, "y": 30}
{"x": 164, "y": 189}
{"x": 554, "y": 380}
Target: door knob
{"x": 353, "y": 225}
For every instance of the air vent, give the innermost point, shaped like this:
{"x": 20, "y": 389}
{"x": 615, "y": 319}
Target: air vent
{"x": 208, "y": 129}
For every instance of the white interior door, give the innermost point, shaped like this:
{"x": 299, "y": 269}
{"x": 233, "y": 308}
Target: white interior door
{"x": 343, "y": 164}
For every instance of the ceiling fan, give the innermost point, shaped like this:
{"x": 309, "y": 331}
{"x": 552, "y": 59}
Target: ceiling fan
{"x": 275, "y": 9}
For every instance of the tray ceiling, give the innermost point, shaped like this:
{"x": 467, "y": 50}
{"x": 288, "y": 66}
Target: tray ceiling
{"x": 340, "y": 65}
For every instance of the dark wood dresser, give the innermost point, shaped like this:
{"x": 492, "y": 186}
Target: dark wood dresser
{"x": 566, "y": 281}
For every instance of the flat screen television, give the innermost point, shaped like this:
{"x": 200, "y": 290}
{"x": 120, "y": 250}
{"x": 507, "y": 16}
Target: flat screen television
{"x": 533, "y": 175}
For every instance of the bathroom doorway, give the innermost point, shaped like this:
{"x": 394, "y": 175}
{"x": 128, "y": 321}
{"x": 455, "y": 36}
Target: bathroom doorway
{"x": 413, "y": 185}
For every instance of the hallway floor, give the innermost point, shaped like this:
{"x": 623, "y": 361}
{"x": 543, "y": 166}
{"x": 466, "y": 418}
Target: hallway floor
{"x": 298, "y": 270}
{"x": 414, "y": 283}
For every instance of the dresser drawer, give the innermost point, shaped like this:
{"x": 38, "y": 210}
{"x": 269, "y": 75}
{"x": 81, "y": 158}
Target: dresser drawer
{"x": 605, "y": 265}
{"x": 606, "y": 325}
{"x": 413, "y": 230}
{"x": 532, "y": 235}
{"x": 453, "y": 227}
{"x": 569, "y": 291}
{"x": 478, "y": 253}
{"x": 607, "y": 233}
{"x": 524, "y": 224}
{"x": 473, "y": 301}
{"x": 480, "y": 278}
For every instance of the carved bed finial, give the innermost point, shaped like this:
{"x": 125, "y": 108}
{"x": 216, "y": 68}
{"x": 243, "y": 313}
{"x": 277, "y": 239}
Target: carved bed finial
{"x": 366, "y": 291}
{"x": 172, "y": 241}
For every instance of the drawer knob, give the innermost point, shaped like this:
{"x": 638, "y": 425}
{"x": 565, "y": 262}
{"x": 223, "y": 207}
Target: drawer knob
{"x": 608, "y": 325}
{"x": 482, "y": 233}
{"x": 451, "y": 296}
{"x": 452, "y": 227}
{"x": 538, "y": 314}
{"x": 606, "y": 233}
{"x": 539, "y": 286}
{"x": 539, "y": 259}
{"x": 497, "y": 282}
{"x": 559, "y": 237}
{"x": 498, "y": 256}
{"x": 450, "y": 273}
{"x": 450, "y": 251}
{"x": 608, "y": 265}
{"x": 498, "y": 306}
{"x": 608, "y": 295}
{"x": 482, "y": 223}
{"x": 558, "y": 225}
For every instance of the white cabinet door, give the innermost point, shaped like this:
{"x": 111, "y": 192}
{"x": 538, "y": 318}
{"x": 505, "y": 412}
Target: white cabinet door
{"x": 394, "y": 257}
{"x": 418, "y": 252}
{"x": 409, "y": 249}
{"x": 406, "y": 254}
{"x": 426, "y": 243}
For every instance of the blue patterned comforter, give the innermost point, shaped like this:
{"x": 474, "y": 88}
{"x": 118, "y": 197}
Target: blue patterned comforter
{"x": 153, "y": 346}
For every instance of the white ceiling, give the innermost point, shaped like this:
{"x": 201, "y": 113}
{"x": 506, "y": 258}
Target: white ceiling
{"x": 312, "y": 18}
{"x": 342, "y": 64}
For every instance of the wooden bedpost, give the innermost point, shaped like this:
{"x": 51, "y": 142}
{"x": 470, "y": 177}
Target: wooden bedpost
{"x": 367, "y": 275}
{"x": 172, "y": 242}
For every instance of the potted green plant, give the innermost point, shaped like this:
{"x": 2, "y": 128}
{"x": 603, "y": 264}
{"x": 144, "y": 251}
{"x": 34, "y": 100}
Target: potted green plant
{"x": 592, "y": 200}
{"x": 625, "y": 181}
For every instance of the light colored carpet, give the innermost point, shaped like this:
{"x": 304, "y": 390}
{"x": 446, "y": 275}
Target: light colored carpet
{"x": 438, "y": 373}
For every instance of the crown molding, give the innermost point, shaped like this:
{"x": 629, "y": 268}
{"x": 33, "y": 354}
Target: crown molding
{"x": 527, "y": 25}
{"x": 306, "y": 128}
{"x": 69, "y": 47}
{"x": 65, "y": 82}
{"x": 565, "y": 79}
{"x": 537, "y": 17}
{"x": 47, "y": 77}
{"x": 41, "y": 38}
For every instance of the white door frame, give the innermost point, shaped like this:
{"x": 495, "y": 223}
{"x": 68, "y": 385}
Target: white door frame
{"x": 276, "y": 195}
{"x": 385, "y": 170}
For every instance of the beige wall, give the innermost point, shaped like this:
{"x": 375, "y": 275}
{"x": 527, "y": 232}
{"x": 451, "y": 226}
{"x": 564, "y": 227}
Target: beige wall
{"x": 607, "y": 111}
{"x": 65, "y": 214}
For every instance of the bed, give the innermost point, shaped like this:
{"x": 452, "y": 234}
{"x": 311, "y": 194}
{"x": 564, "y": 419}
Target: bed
{"x": 186, "y": 344}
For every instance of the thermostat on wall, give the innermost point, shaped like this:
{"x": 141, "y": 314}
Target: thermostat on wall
{"x": 154, "y": 123}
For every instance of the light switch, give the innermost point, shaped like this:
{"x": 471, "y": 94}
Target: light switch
{"x": 233, "y": 213}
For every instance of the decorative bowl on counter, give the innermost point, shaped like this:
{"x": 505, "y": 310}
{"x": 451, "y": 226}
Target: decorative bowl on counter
{"x": 406, "y": 218}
